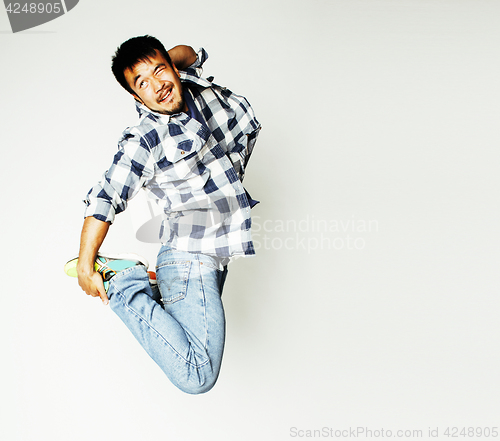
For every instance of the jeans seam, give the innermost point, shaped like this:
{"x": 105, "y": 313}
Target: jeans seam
{"x": 123, "y": 272}
{"x": 140, "y": 318}
{"x": 204, "y": 306}
{"x": 205, "y": 258}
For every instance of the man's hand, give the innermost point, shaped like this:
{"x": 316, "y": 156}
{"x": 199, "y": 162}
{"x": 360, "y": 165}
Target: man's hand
{"x": 182, "y": 56}
{"x": 93, "y": 233}
{"x": 92, "y": 284}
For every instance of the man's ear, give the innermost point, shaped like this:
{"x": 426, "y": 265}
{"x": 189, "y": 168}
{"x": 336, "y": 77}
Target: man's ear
{"x": 176, "y": 70}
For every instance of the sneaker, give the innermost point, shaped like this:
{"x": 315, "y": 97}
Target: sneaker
{"x": 108, "y": 265}
{"x": 152, "y": 278}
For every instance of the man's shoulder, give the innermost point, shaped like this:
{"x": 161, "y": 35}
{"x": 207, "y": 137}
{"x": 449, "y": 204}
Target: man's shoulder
{"x": 147, "y": 133}
{"x": 214, "y": 94}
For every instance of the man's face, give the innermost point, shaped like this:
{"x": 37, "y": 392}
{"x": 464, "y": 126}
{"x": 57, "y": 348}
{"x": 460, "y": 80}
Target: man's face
{"x": 157, "y": 85}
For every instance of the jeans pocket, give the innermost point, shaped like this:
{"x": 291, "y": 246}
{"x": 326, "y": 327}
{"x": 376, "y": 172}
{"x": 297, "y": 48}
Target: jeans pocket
{"x": 173, "y": 278}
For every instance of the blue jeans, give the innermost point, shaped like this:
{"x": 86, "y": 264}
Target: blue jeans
{"x": 181, "y": 325}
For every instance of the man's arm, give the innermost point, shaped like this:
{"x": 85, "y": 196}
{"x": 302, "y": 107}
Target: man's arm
{"x": 182, "y": 56}
{"x": 132, "y": 167}
{"x": 93, "y": 233}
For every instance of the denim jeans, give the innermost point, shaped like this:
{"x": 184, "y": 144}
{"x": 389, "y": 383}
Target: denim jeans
{"x": 181, "y": 322}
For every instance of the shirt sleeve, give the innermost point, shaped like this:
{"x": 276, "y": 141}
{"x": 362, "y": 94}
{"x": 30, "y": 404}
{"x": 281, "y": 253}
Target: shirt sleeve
{"x": 197, "y": 67}
{"x": 245, "y": 132}
{"x": 132, "y": 168}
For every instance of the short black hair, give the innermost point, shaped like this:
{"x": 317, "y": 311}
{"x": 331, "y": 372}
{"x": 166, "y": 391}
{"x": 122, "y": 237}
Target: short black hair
{"x": 133, "y": 51}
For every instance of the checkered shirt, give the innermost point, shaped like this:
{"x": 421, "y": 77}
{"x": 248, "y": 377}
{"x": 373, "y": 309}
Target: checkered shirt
{"x": 194, "y": 174}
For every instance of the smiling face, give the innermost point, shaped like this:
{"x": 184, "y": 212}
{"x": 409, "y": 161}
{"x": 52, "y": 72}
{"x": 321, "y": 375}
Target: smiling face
{"x": 157, "y": 85}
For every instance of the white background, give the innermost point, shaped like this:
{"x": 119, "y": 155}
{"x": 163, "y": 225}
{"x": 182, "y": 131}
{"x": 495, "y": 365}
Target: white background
{"x": 384, "y": 111}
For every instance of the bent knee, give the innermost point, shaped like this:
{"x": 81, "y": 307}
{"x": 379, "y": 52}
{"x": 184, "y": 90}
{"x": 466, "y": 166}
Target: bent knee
{"x": 197, "y": 388}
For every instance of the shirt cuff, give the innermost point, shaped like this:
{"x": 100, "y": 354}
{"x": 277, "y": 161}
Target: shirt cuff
{"x": 202, "y": 56}
{"x": 100, "y": 209}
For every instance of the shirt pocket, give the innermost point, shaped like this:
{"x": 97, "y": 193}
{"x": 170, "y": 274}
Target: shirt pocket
{"x": 181, "y": 172}
{"x": 178, "y": 158}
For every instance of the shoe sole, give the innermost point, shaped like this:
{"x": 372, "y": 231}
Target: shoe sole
{"x": 70, "y": 267}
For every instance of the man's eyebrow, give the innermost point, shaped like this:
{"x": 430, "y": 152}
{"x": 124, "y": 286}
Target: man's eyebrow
{"x": 136, "y": 78}
{"x": 158, "y": 66}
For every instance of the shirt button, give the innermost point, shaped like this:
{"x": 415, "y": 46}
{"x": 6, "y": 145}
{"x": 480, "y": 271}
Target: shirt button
{"x": 182, "y": 152}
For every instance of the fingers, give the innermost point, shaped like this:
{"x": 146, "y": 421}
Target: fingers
{"x": 102, "y": 292}
{"x": 93, "y": 285}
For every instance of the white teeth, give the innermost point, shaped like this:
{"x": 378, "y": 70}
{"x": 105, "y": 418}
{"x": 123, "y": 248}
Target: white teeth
{"x": 167, "y": 95}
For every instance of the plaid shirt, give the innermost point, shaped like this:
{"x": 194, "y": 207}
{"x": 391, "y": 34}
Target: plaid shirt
{"x": 193, "y": 173}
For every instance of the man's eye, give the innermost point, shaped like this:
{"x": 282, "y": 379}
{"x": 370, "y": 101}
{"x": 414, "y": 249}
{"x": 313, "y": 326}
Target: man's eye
{"x": 142, "y": 84}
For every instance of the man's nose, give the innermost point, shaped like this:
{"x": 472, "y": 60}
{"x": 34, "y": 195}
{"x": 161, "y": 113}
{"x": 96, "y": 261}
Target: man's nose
{"x": 157, "y": 85}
